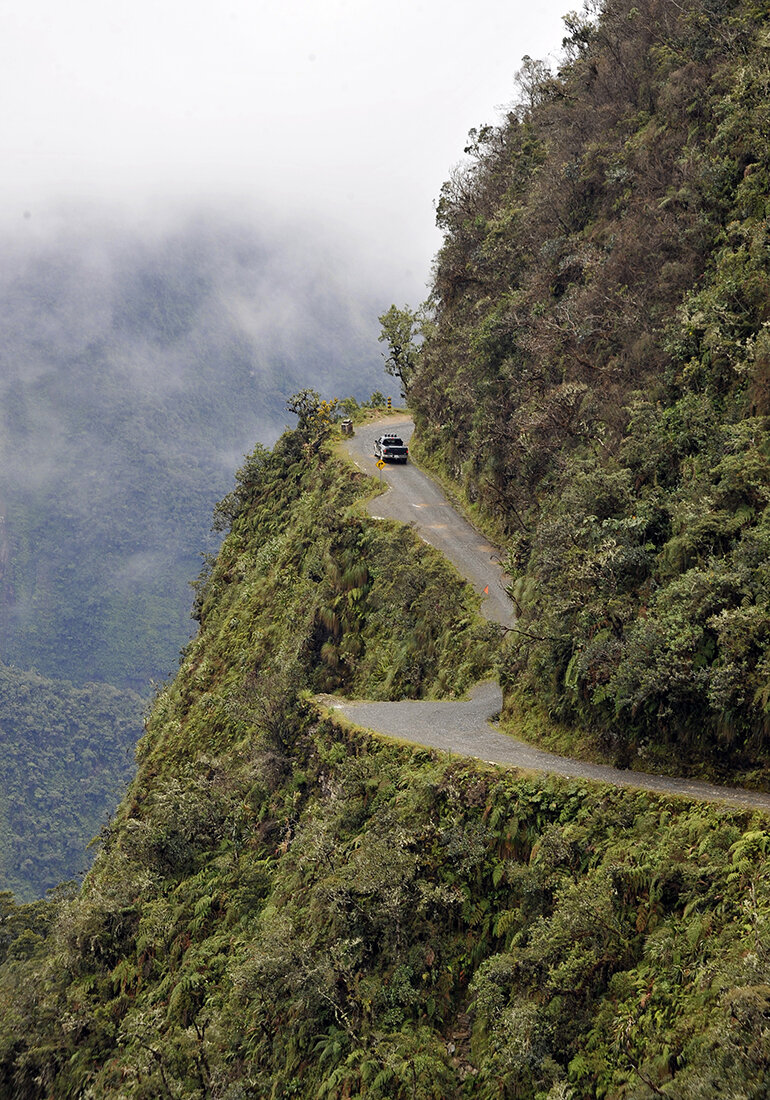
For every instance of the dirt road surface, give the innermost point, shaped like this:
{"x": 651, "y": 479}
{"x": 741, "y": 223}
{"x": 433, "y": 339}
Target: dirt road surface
{"x": 464, "y": 728}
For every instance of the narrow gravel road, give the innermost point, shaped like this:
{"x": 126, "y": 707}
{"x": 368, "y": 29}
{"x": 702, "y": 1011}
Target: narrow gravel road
{"x": 464, "y": 727}
{"x": 414, "y": 498}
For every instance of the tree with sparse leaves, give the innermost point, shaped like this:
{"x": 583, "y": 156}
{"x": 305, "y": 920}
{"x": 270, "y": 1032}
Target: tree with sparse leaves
{"x": 400, "y": 327}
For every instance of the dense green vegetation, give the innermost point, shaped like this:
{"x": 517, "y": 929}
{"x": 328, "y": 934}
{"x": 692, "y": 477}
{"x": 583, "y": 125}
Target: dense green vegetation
{"x": 68, "y": 754}
{"x": 284, "y": 907}
{"x": 595, "y": 376}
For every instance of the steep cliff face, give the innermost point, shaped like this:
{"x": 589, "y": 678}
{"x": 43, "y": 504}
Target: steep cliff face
{"x": 595, "y": 374}
{"x": 287, "y": 907}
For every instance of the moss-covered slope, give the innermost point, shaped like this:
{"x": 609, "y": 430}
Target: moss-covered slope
{"x": 284, "y": 907}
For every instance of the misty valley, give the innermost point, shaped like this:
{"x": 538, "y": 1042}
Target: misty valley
{"x": 137, "y": 368}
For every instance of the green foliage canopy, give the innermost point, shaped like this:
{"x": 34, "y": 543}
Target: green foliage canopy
{"x": 68, "y": 753}
{"x": 284, "y": 906}
{"x": 596, "y": 380}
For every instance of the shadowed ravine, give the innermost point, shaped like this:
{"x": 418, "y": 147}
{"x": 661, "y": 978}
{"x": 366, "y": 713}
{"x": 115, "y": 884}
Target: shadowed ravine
{"x": 464, "y": 727}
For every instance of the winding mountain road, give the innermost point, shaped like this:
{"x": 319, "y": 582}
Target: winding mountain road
{"x": 464, "y": 727}
{"x": 414, "y": 498}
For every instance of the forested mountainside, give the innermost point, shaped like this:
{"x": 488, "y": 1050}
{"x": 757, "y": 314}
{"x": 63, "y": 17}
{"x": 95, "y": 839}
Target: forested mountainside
{"x": 137, "y": 368}
{"x": 68, "y": 755}
{"x": 596, "y": 375}
{"x": 287, "y": 907}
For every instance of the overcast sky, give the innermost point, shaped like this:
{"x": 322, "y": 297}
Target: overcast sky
{"x": 350, "y": 112}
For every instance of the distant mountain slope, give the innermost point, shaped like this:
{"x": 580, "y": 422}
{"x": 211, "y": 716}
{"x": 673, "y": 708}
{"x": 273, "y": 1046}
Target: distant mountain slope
{"x": 135, "y": 371}
{"x": 68, "y": 753}
{"x": 137, "y": 367}
{"x": 596, "y": 376}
